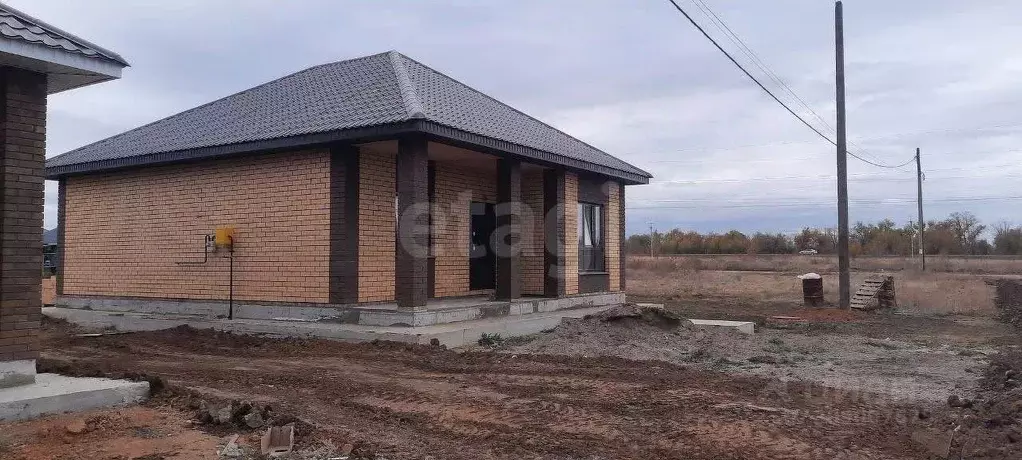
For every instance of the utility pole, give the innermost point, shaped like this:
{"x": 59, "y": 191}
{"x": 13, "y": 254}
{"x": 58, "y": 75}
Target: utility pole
{"x": 651, "y": 240}
{"x": 843, "y": 263}
{"x": 919, "y": 180}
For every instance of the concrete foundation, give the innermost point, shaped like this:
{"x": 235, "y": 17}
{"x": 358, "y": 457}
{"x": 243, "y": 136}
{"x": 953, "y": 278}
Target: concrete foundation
{"x": 437, "y": 311}
{"x": 14, "y": 373}
{"x": 745, "y": 327}
{"x": 56, "y": 394}
{"x": 451, "y": 334}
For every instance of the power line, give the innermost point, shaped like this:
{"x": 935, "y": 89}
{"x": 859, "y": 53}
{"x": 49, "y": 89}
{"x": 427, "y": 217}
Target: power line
{"x": 790, "y": 204}
{"x": 863, "y": 177}
{"x": 770, "y": 93}
{"x": 742, "y": 46}
{"x": 778, "y": 144}
{"x": 722, "y": 26}
{"x": 896, "y": 199}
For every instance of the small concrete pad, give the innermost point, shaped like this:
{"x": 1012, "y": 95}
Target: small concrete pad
{"x": 57, "y": 394}
{"x": 745, "y": 327}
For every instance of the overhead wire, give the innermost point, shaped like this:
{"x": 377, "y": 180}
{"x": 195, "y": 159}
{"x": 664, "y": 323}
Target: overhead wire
{"x": 886, "y": 202}
{"x": 771, "y": 94}
{"x": 755, "y": 59}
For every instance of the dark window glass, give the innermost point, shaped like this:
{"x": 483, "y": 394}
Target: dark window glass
{"x": 590, "y": 238}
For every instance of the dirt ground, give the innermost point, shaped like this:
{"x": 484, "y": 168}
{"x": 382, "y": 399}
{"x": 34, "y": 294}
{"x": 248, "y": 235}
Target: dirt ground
{"x": 149, "y": 433}
{"x": 631, "y": 384}
{"x": 396, "y": 401}
{"x": 897, "y": 366}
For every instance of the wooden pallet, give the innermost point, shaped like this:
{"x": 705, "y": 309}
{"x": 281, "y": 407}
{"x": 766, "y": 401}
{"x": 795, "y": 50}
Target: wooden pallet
{"x": 876, "y": 292}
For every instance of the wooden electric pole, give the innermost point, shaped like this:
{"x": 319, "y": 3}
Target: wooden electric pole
{"x": 922, "y": 224}
{"x": 844, "y": 265}
{"x": 651, "y": 240}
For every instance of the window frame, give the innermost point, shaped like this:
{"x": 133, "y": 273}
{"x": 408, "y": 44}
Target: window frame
{"x": 592, "y": 257}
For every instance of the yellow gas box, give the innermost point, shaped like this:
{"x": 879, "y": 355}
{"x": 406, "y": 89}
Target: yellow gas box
{"x": 224, "y": 237}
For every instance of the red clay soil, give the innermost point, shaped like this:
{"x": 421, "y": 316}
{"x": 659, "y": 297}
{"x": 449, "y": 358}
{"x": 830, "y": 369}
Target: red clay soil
{"x": 140, "y": 432}
{"x": 401, "y": 401}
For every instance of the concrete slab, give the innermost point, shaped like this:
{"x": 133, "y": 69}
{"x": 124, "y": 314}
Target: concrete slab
{"x": 437, "y": 311}
{"x": 56, "y": 394}
{"x": 14, "y": 373}
{"x": 745, "y": 327}
{"x": 451, "y": 334}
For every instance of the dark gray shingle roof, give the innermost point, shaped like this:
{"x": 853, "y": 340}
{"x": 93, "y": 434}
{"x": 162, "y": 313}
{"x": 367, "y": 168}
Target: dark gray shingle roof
{"x": 369, "y": 91}
{"x": 19, "y": 26}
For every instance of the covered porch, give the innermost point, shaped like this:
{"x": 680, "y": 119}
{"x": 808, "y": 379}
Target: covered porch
{"x": 471, "y": 223}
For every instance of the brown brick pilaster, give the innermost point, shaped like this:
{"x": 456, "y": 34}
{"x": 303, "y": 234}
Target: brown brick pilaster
{"x": 553, "y": 229}
{"x": 22, "y": 155}
{"x": 509, "y": 232}
{"x": 412, "y": 256}
{"x": 344, "y": 177}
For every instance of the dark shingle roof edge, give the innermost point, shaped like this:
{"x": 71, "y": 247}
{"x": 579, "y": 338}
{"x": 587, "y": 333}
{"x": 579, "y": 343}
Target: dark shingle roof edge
{"x": 80, "y": 45}
{"x": 476, "y": 120}
{"x": 364, "y": 134}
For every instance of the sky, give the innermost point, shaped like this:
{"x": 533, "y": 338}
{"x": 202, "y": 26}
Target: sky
{"x": 633, "y": 78}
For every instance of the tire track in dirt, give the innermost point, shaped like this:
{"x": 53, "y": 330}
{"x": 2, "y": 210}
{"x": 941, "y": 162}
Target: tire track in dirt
{"x": 410, "y": 401}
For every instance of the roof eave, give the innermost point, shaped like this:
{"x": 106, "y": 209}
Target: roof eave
{"x": 364, "y": 134}
{"x": 105, "y": 53}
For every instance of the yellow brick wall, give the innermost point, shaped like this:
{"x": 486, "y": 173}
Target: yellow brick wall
{"x": 126, "y": 230}
{"x": 570, "y": 233}
{"x": 456, "y": 187}
{"x": 377, "y": 226}
{"x": 532, "y": 232}
{"x": 613, "y": 243}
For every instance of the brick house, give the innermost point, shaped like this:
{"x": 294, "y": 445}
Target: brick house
{"x": 370, "y": 183}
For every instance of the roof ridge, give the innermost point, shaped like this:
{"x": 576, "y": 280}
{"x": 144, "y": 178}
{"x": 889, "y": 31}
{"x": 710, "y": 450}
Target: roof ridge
{"x": 409, "y": 95}
{"x": 247, "y": 90}
{"x": 516, "y": 110}
{"x": 63, "y": 33}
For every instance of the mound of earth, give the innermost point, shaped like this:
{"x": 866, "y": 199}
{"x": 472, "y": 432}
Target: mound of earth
{"x": 641, "y": 314}
{"x": 988, "y": 427}
{"x": 1009, "y": 300}
{"x": 902, "y": 370}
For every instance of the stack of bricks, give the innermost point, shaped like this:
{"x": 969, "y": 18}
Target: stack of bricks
{"x": 23, "y": 132}
{"x": 570, "y": 233}
{"x": 533, "y": 244}
{"x": 613, "y": 236}
{"x": 456, "y": 188}
{"x": 377, "y": 225}
{"x": 127, "y": 232}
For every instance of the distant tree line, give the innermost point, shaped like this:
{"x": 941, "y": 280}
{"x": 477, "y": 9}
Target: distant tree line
{"x": 958, "y": 234}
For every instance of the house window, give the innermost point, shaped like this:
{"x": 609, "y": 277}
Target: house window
{"x": 590, "y": 238}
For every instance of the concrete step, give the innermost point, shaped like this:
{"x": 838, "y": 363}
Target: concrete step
{"x": 451, "y": 334}
{"x": 57, "y": 394}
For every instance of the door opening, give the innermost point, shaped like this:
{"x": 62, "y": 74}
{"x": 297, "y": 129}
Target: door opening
{"x": 482, "y": 262}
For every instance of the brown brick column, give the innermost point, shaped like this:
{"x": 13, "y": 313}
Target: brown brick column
{"x": 621, "y": 230}
{"x": 553, "y": 229}
{"x": 508, "y": 235}
{"x": 412, "y": 256}
{"x": 59, "y": 262}
{"x": 22, "y": 155}
{"x": 344, "y": 177}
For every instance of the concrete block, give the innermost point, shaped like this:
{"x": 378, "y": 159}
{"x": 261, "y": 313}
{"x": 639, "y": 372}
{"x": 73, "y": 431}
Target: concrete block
{"x": 745, "y": 327}
{"x": 56, "y": 394}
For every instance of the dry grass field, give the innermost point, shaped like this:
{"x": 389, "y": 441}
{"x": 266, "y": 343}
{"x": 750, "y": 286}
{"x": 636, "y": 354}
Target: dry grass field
{"x": 954, "y": 286}
{"x": 978, "y": 265}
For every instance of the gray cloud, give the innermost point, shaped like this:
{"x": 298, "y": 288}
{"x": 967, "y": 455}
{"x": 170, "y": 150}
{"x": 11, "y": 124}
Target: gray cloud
{"x": 630, "y": 77}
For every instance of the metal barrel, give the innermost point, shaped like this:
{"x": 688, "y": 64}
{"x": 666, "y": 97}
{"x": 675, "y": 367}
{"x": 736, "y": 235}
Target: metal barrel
{"x": 812, "y": 291}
